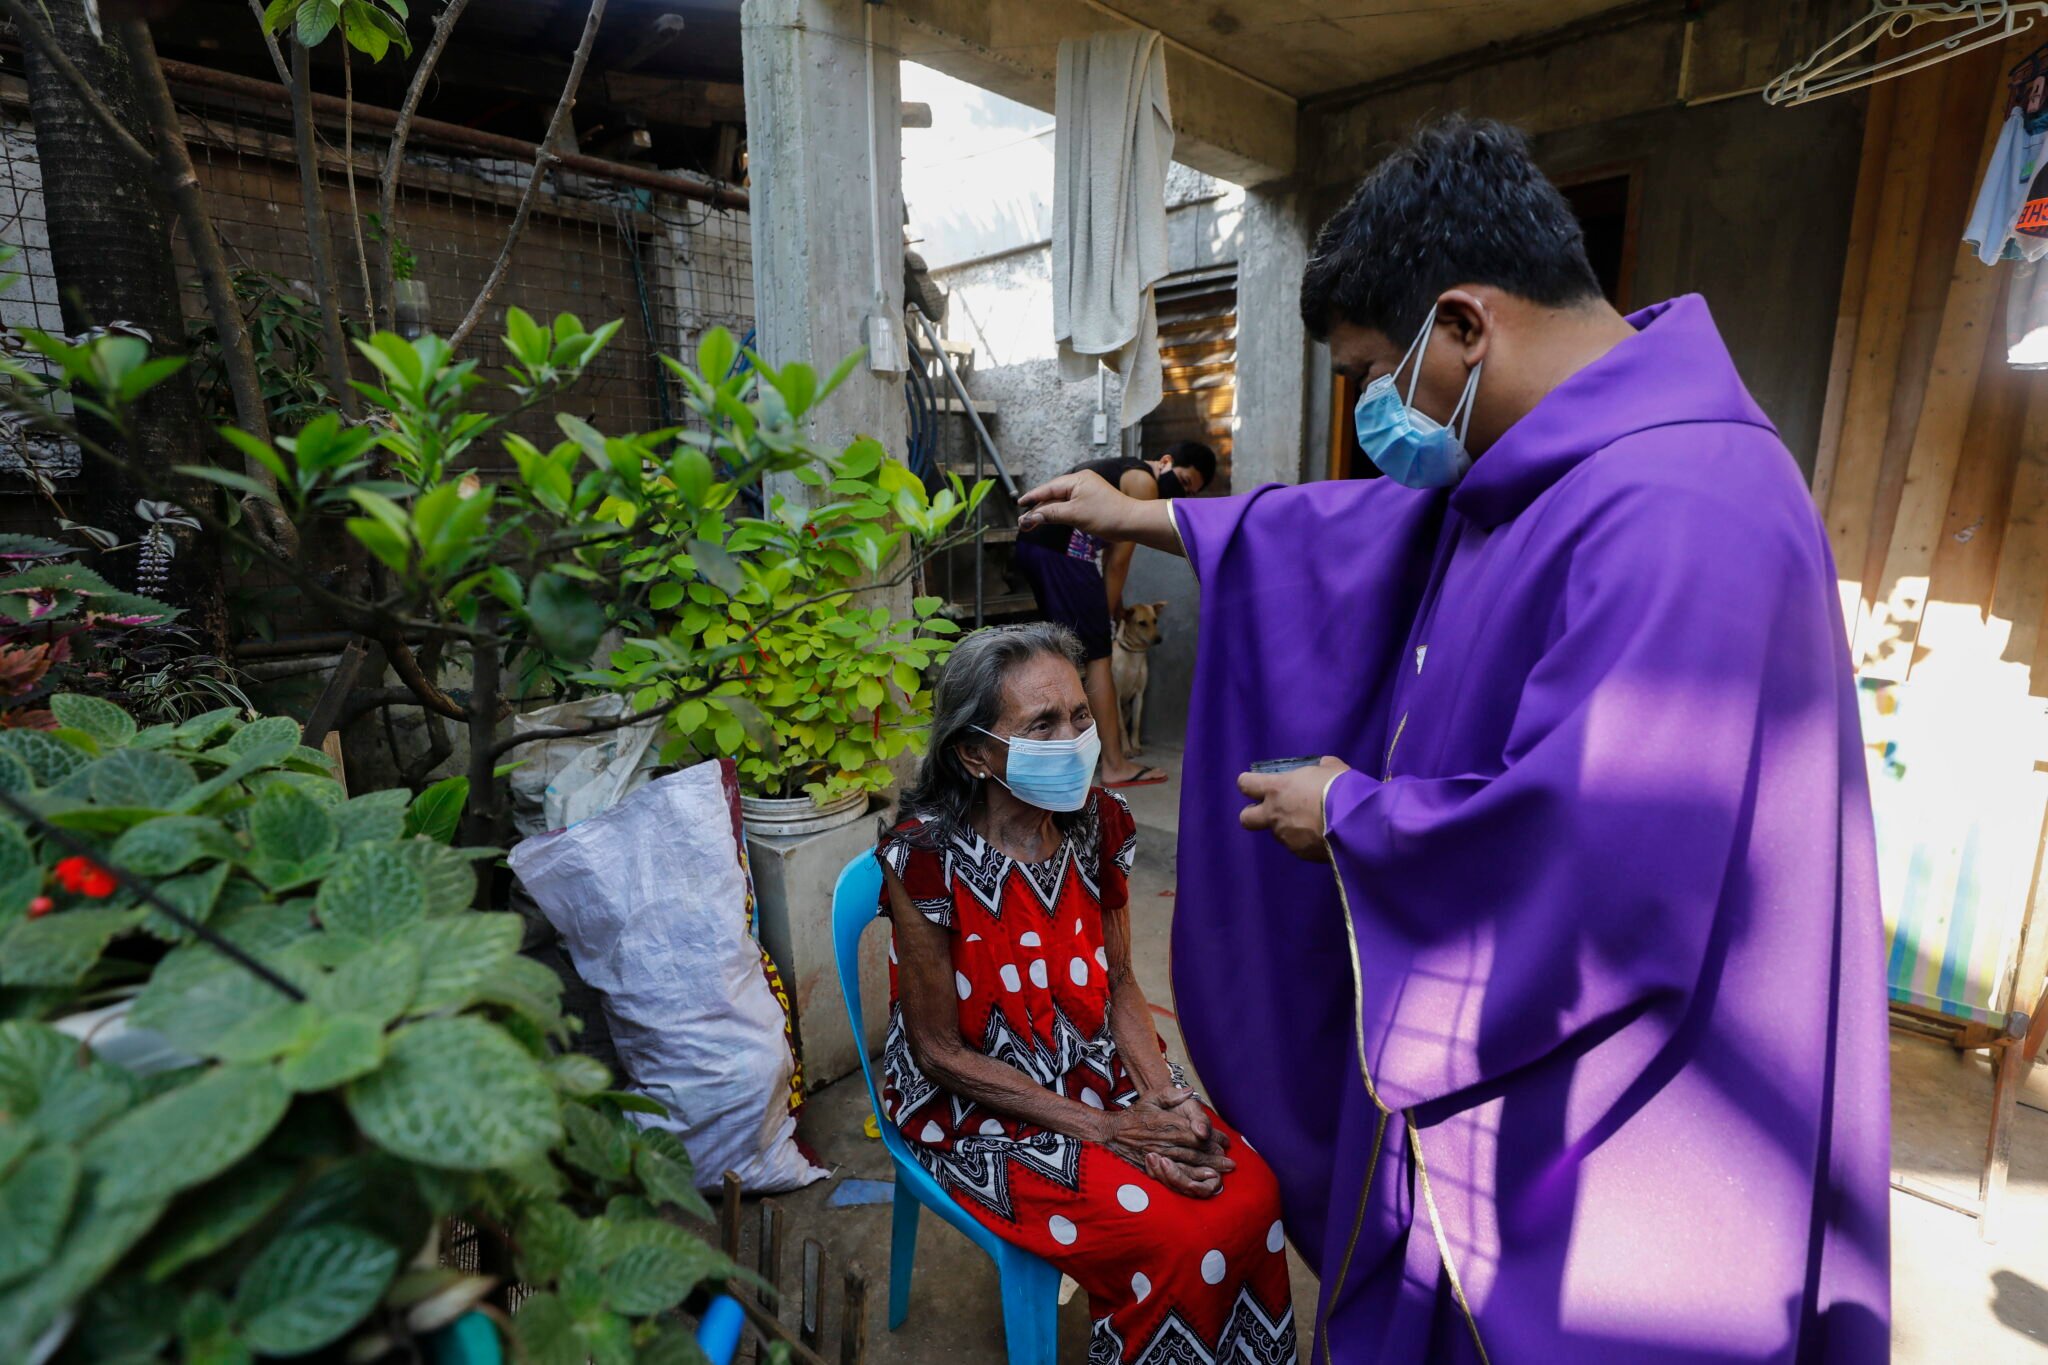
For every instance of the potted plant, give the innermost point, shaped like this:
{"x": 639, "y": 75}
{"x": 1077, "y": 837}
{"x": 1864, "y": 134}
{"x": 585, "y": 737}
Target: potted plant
{"x": 837, "y": 686}
{"x": 819, "y": 687}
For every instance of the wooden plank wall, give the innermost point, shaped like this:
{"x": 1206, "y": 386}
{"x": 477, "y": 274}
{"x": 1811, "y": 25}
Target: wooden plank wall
{"x": 1930, "y": 507}
{"x": 1932, "y": 473}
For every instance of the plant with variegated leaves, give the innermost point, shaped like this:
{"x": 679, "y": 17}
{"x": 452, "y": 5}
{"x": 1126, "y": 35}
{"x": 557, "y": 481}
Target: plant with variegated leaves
{"x": 220, "y": 1171}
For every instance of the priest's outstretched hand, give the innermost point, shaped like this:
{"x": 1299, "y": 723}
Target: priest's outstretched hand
{"x": 1290, "y": 805}
{"x": 1085, "y": 501}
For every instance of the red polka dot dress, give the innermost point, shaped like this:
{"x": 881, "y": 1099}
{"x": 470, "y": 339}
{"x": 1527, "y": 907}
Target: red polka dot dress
{"x": 1169, "y": 1278}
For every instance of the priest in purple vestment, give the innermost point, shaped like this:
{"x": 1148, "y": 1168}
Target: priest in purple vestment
{"x": 1554, "y": 992}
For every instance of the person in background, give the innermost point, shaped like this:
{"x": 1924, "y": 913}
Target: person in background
{"x": 1021, "y": 1061}
{"x": 1079, "y": 582}
{"x": 1555, "y": 991}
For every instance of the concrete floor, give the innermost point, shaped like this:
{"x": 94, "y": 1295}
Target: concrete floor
{"x": 1954, "y": 1298}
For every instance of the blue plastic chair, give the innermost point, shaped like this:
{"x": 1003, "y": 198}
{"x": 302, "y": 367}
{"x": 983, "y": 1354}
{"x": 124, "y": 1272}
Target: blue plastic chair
{"x": 1031, "y": 1287}
{"x": 719, "y": 1330}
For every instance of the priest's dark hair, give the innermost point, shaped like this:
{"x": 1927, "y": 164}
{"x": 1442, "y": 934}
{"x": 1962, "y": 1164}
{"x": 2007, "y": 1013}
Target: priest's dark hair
{"x": 968, "y": 699}
{"x": 1460, "y": 202}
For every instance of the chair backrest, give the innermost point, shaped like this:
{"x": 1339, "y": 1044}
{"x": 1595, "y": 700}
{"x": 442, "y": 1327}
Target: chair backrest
{"x": 856, "y": 904}
{"x": 1956, "y": 835}
{"x": 856, "y": 900}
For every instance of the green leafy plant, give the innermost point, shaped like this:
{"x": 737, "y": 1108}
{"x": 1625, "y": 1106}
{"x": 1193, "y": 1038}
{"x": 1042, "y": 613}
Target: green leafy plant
{"x": 284, "y": 331}
{"x": 735, "y": 628}
{"x": 403, "y": 262}
{"x": 273, "y": 1184}
{"x": 831, "y": 690}
{"x": 371, "y": 27}
{"x": 755, "y": 636}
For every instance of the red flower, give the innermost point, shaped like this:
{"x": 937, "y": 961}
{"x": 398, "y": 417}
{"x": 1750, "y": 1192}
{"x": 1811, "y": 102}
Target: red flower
{"x": 83, "y": 877}
{"x": 40, "y": 906}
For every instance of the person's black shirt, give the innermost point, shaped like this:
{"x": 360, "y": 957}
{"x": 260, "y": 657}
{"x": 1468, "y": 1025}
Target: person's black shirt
{"x": 1113, "y": 469}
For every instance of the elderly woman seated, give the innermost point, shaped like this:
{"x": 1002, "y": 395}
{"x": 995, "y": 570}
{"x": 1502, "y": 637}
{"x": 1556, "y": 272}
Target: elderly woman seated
{"x": 1021, "y": 1061}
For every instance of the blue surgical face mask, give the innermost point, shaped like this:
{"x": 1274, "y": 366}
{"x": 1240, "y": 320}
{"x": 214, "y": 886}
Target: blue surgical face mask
{"x": 1051, "y": 774}
{"x": 1408, "y": 445}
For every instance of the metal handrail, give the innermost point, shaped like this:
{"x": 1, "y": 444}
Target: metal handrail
{"x": 973, "y": 415}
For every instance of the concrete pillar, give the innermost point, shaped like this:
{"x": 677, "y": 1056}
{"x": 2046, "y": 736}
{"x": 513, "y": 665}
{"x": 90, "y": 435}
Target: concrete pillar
{"x": 809, "y": 167}
{"x": 811, "y": 174}
{"x": 1273, "y": 440}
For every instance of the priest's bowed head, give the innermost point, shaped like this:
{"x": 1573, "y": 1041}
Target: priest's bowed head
{"x": 1554, "y": 992}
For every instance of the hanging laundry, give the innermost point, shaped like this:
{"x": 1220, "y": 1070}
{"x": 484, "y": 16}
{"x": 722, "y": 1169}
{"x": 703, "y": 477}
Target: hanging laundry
{"x": 2003, "y": 198}
{"x": 1112, "y": 144}
{"x": 2026, "y": 316}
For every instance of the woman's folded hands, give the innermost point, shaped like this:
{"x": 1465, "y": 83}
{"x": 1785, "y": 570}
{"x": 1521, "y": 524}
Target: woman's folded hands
{"x": 1169, "y": 1133}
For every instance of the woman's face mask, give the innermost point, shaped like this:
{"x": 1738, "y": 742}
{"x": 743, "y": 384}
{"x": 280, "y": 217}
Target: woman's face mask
{"x": 1409, "y": 445}
{"x": 1051, "y": 774}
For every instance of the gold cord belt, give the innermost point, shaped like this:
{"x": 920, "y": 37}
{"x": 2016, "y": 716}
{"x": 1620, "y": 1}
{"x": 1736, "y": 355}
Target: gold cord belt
{"x": 1436, "y": 1226}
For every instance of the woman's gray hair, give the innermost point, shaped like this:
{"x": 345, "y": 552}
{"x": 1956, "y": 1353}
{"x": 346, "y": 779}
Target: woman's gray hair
{"x": 969, "y": 698}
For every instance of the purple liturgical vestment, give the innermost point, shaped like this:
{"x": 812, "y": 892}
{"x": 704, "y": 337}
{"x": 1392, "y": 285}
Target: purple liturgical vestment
{"x": 1611, "y": 1084}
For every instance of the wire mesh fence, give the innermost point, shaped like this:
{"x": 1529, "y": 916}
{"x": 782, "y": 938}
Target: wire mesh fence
{"x": 667, "y": 267}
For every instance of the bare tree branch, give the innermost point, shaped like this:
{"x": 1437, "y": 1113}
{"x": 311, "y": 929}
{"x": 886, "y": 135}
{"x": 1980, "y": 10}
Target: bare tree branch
{"x": 238, "y": 357}
{"x": 284, "y": 73}
{"x": 348, "y": 162}
{"x": 541, "y": 165}
{"x": 407, "y": 667}
{"x": 30, "y": 29}
{"x": 480, "y": 819}
{"x": 319, "y": 244}
{"x": 394, "y": 155}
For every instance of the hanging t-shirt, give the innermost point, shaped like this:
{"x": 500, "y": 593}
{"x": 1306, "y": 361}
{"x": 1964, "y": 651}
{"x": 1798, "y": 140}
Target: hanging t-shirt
{"x": 2026, "y": 316}
{"x": 2031, "y": 227}
{"x": 2003, "y": 199}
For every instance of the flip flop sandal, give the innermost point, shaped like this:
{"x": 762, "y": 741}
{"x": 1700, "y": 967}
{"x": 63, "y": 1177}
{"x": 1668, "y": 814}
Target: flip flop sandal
{"x": 1146, "y": 777}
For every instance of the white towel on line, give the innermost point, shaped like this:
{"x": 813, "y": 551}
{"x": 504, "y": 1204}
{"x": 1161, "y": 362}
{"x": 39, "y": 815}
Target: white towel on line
{"x": 1112, "y": 144}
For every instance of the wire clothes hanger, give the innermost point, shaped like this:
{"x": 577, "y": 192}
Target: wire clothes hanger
{"x": 1846, "y": 61}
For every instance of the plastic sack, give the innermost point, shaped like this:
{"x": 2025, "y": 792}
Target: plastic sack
{"x": 650, "y": 899}
{"x": 563, "y": 782}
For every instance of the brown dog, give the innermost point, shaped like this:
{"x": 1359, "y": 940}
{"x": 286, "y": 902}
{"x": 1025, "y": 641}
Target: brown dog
{"x": 1129, "y": 669}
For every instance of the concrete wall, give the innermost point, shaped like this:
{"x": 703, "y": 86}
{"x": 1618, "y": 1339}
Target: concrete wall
{"x": 1002, "y": 305}
{"x": 1748, "y": 206}
{"x": 1743, "y": 203}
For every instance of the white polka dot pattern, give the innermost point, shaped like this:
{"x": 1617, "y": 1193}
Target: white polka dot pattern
{"x": 1213, "y": 1267}
{"x": 1276, "y": 1238}
{"x": 1134, "y": 1199}
{"x": 1038, "y": 974}
{"x": 1066, "y": 1234}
